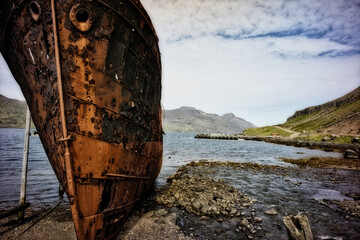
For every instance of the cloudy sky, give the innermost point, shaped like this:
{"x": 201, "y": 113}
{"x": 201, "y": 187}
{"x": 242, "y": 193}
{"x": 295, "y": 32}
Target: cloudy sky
{"x": 259, "y": 59}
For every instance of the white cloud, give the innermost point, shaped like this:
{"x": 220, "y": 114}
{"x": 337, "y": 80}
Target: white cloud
{"x": 8, "y": 85}
{"x": 244, "y": 76}
{"x": 261, "y": 59}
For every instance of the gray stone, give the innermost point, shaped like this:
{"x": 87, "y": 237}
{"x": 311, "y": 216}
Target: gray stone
{"x": 233, "y": 211}
{"x": 160, "y": 212}
{"x": 160, "y": 221}
{"x": 298, "y": 227}
{"x": 257, "y": 219}
{"x": 271, "y": 212}
{"x": 171, "y": 218}
{"x": 325, "y": 139}
{"x": 200, "y": 188}
{"x": 197, "y": 206}
{"x": 351, "y": 154}
{"x": 217, "y": 195}
{"x": 247, "y": 204}
{"x": 244, "y": 222}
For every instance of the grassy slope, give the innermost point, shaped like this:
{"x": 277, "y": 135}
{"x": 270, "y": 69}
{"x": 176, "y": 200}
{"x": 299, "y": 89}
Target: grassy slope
{"x": 317, "y": 120}
{"x": 322, "y": 119}
{"x": 266, "y": 131}
{"x": 12, "y": 113}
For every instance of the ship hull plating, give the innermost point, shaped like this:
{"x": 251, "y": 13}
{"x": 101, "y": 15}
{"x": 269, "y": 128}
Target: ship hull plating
{"x": 111, "y": 80}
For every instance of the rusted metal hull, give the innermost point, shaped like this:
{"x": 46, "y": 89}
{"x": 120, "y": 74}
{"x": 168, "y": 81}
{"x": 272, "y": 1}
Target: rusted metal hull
{"x": 111, "y": 81}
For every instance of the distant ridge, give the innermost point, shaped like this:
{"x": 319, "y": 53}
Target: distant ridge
{"x": 184, "y": 119}
{"x": 12, "y": 113}
{"x": 340, "y": 116}
{"x": 189, "y": 119}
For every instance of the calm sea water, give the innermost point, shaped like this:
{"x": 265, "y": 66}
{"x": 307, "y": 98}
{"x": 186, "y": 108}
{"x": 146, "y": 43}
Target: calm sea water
{"x": 179, "y": 148}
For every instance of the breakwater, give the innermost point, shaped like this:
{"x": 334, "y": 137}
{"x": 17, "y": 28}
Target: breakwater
{"x": 326, "y": 146}
{"x": 217, "y": 136}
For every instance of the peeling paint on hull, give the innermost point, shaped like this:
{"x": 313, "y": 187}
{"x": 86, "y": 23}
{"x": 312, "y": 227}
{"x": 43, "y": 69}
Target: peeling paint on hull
{"x": 111, "y": 71}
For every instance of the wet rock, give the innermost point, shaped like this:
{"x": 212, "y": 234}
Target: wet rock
{"x": 197, "y": 206}
{"x": 298, "y": 227}
{"x": 257, "y": 219}
{"x": 200, "y": 188}
{"x": 325, "y": 139}
{"x": 248, "y": 204}
{"x": 160, "y": 221}
{"x": 160, "y": 212}
{"x": 201, "y": 195}
{"x": 351, "y": 154}
{"x": 233, "y": 212}
{"x": 244, "y": 222}
{"x": 217, "y": 195}
{"x": 271, "y": 212}
{"x": 171, "y": 218}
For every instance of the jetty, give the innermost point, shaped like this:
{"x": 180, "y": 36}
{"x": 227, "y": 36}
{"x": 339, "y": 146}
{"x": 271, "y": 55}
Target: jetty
{"x": 325, "y": 146}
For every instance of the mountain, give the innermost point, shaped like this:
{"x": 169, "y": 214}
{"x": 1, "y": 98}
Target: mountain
{"x": 340, "y": 116}
{"x": 12, "y": 113}
{"x": 184, "y": 119}
{"x": 188, "y": 119}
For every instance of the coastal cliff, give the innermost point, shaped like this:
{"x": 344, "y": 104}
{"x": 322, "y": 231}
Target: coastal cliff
{"x": 340, "y": 116}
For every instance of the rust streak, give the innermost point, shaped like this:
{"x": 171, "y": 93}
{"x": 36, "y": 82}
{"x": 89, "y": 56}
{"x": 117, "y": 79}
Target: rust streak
{"x": 123, "y": 117}
{"x": 109, "y": 210}
{"x": 125, "y": 176}
{"x": 129, "y": 22}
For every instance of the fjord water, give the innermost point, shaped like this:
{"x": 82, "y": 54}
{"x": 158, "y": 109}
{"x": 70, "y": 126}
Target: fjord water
{"x": 179, "y": 149}
{"x": 288, "y": 194}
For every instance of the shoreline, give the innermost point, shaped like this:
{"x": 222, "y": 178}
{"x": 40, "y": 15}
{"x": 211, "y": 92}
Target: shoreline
{"x": 325, "y": 146}
{"x": 209, "y": 208}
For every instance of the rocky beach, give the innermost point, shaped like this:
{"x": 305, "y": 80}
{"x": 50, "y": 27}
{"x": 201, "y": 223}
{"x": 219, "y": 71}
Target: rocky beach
{"x": 204, "y": 200}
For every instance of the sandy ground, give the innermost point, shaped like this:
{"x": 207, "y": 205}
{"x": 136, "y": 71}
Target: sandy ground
{"x": 58, "y": 225}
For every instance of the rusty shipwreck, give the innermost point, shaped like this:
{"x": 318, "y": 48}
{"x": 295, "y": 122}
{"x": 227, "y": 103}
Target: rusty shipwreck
{"x": 91, "y": 74}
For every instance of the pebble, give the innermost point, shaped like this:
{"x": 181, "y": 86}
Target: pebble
{"x": 160, "y": 221}
{"x": 197, "y": 206}
{"x": 244, "y": 222}
{"x": 247, "y": 204}
{"x": 271, "y": 212}
{"x": 257, "y": 219}
{"x": 160, "y": 212}
{"x": 233, "y": 211}
{"x": 171, "y": 218}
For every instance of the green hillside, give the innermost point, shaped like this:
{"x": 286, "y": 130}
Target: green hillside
{"x": 343, "y": 111}
{"x": 322, "y": 119}
{"x": 340, "y": 117}
{"x": 12, "y": 113}
{"x": 267, "y": 131}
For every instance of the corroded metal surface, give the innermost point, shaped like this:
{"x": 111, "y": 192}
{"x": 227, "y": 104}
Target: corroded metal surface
{"x": 111, "y": 71}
